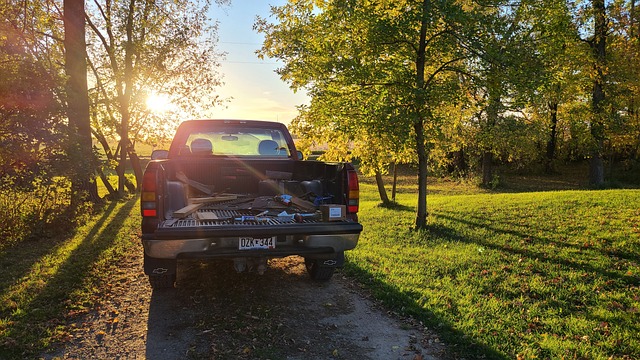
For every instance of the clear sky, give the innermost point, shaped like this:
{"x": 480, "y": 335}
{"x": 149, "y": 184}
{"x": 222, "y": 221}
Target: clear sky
{"x": 256, "y": 91}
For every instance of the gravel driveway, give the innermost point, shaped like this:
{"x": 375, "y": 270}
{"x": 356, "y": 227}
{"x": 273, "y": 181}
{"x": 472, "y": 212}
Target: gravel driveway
{"x": 215, "y": 313}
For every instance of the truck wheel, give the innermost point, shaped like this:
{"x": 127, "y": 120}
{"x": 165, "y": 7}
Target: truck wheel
{"x": 164, "y": 281}
{"x": 317, "y": 272}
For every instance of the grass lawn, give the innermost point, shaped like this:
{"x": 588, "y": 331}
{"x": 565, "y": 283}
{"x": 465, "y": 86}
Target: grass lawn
{"x": 44, "y": 282}
{"x": 515, "y": 275}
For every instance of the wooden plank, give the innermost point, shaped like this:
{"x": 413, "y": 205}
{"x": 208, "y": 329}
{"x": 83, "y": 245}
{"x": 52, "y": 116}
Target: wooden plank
{"x": 206, "y": 215}
{"x": 303, "y": 204}
{"x": 219, "y": 198}
{"x": 187, "y": 210}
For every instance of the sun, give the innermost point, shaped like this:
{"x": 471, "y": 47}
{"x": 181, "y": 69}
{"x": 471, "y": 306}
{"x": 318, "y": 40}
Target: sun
{"x": 158, "y": 103}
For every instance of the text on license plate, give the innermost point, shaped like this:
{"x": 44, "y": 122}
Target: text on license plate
{"x": 249, "y": 243}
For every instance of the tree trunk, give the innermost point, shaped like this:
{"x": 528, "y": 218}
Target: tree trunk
{"x": 80, "y": 149}
{"x": 106, "y": 182}
{"x": 421, "y": 216}
{"x": 395, "y": 181}
{"x": 551, "y": 143}
{"x": 487, "y": 169}
{"x": 381, "y": 190}
{"x": 458, "y": 165}
{"x": 596, "y": 170}
{"x": 493, "y": 114}
{"x": 418, "y": 124}
{"x": 135, "y": 164}
{"x": 113, "y": 157}
{"x": 125, "y": 96}
{"x": 598, "y": 46}
{"x": 104, "y": 143}
{"x": 632, "y": 21}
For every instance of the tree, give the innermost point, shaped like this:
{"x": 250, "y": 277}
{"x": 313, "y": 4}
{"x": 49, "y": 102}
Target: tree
{"x": 598, "y": 44}
{"x": 553, "y": 40}
{"x": 501, "y": 77}
{"x": 374, "y": 147}
{"x": 401, "y": 50}
{"x": 624, "y": 71}
{"x": 31, "y": 114}
{"x": 142, "y": 48}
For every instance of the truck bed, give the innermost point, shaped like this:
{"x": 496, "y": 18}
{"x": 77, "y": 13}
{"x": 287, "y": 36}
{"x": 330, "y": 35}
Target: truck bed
{"x": 238, "y": 190}
{"x": 191, "y": 227}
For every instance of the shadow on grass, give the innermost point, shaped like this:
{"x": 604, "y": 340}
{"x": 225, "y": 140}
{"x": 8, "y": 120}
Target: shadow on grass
{"x": 392, "y": 205}
{"x": 19, "y": 259}
{"x": 480, "y": 222}
{"x": 581, "y": 304}
{"x": 451, "y": 234}
{"x": 408, "y": 302}
{"x": 34, "y": 320}
{"x": 458, "y": 343}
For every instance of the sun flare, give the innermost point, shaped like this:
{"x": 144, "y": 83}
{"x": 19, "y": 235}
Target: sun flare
{"x": 158, "y": 103}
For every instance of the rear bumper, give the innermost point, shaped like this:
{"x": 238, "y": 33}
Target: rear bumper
{"x": 225, "y": 244}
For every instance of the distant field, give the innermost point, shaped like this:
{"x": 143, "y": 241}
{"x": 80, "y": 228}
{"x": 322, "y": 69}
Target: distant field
{"x": 143, "y": 150}
{"x": 513, "y": 275}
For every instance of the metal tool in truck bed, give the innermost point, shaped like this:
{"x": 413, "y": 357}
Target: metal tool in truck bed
{"x": 239, "y": 190}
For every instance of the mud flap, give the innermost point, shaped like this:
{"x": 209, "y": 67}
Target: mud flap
{"x": 338, "y": 262}
{"x": 332, "y": 261}
{"x": 321, "y": 268}
{"x": 154, "y": 266}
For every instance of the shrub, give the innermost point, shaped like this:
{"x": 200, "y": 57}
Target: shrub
{"x": 33, "y": 213}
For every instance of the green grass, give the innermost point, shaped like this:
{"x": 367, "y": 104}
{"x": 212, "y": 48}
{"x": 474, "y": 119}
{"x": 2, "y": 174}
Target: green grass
{"x": 529, "y": 275}
{"x": 519, "y": 274}
{"x": 45, "y": 281}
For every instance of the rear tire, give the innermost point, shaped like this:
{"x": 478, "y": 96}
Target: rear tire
{"x": 164, "y": 281}
{"x": 317, "y": 272}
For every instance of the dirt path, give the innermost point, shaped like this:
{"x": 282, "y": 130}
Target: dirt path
{"x": 215, "y": 313}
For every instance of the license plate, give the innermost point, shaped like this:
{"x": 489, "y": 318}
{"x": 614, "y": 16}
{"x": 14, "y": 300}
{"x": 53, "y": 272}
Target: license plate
{"x": 249, "y": 243}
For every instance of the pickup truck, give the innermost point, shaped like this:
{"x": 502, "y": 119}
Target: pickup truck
{"x": 239, "y": 190}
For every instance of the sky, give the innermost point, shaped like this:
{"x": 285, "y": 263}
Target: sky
{"x": 255, "y": 90}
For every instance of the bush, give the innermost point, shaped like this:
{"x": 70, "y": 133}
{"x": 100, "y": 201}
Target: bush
{"x": 34, "y": 213}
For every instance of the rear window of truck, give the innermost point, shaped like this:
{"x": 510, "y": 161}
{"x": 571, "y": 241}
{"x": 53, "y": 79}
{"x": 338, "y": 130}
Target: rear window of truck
{"x": 236, "y": 142}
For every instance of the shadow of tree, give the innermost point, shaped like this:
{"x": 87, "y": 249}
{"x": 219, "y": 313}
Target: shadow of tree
{"x": 20, "y": 258}
{"x": 459, "y": 343}
{"x": 396, "y": 206}
{"x": 578, "y": 304}
{"x": 531, "y": 252}
{"x": 537, "y": 250}
{"x": 72, "y": 277}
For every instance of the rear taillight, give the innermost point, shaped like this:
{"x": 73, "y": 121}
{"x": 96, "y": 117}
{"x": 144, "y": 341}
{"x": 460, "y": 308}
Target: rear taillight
{"x": 353, "y": 198}
{"x": 148, "y": 197}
